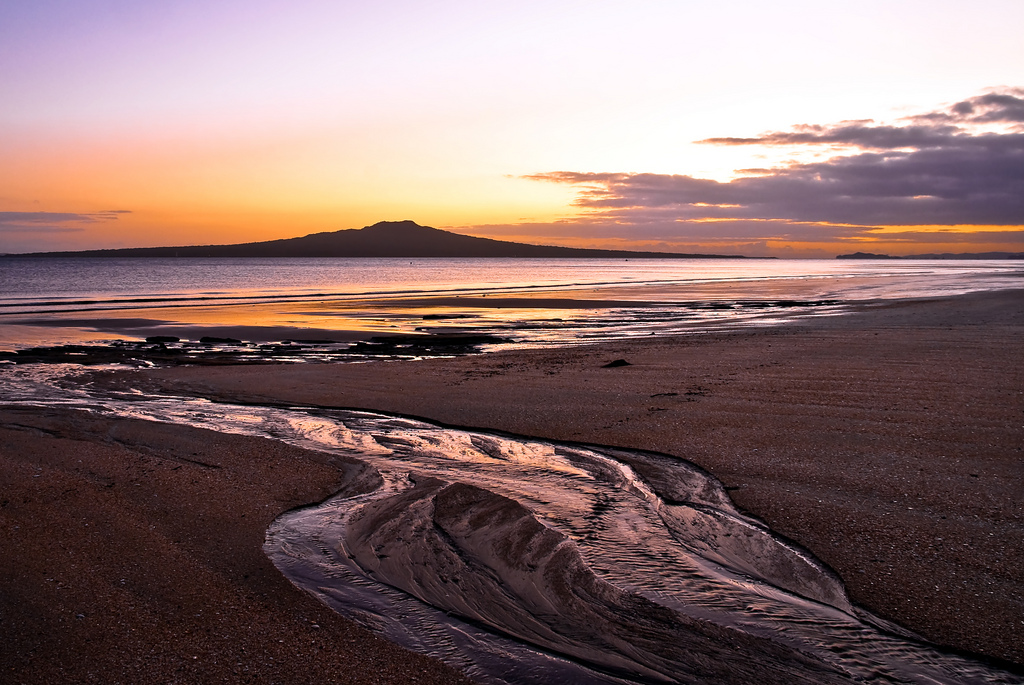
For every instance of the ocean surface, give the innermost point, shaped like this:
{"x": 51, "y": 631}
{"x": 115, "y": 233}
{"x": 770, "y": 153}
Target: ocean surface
{"x": 527, "y": 301}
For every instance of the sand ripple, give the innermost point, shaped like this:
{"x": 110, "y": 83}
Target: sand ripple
{"x": 527, "y": 561}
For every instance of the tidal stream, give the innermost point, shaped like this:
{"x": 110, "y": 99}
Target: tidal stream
{"x": 529, "y": 561}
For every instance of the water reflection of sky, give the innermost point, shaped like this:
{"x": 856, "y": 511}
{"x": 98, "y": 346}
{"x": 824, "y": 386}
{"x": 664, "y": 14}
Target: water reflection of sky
{"x": 50, "y": 302}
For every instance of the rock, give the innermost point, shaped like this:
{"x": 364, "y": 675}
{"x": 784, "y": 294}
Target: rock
{"x": 209, "y": 339}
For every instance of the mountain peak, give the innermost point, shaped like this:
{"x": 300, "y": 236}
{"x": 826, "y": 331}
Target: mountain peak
{"x": 395, "y": 225}
{"x": 383, "y": 239}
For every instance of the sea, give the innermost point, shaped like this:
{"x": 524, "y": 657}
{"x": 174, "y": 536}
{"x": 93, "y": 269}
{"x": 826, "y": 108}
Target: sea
{"x": 47, "y": 302}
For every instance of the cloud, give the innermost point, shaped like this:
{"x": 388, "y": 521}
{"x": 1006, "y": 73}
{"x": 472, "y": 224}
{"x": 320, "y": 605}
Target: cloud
{"x": 54, "y": 222}
{"x": 1011, "y": 239}
{"x": 1004, "y": 105}
{"x": 955, "y": 125}
{"x": 939, "y": 168}
{"x": 855, "y": 133}
{"x": 666, "y": 230}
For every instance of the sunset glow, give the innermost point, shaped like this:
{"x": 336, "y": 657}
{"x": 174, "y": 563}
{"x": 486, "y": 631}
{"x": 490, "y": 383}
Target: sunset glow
{"x": 652, "y": 126}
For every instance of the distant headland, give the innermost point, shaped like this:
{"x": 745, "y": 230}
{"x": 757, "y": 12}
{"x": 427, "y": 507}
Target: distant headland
{"x": 383, "y": 239}
{"x": 943, "y": 255}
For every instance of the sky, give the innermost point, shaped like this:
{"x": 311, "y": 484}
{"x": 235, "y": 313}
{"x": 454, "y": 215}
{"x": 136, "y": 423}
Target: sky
{"x": 791, "y": 129}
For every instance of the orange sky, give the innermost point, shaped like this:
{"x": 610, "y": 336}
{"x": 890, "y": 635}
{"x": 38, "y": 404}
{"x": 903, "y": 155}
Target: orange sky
{"x": 225, "y": 121}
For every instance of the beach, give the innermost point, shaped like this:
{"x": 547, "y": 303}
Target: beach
{"x": 888, "y": 442}
{"x": 134, "y": 554}
{"x": 521, "y": 343}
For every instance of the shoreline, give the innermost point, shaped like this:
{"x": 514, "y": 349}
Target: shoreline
{"x": 838, "y": 459}
{"x": 254, "y": 331}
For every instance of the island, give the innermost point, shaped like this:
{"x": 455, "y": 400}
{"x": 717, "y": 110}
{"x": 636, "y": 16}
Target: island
{"x": 405, "y": 239}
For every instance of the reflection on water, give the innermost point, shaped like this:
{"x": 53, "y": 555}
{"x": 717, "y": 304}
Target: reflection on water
{"x": 83, "y": 283}
{"x": 58, "y": 301}
{"x": 528, "y": 561}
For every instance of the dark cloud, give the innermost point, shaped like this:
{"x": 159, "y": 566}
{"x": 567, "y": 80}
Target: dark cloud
{"x": 955, "y": 125}
{"x": 999, "y": 106}
{"x": 933, "y": 170}
{"x": 53, "y": 222}
{"x": 663, "y": 228}
{"x": 858, "y": 134}
{"x": 966, "y": 238}
{"x": 36, "y": 230}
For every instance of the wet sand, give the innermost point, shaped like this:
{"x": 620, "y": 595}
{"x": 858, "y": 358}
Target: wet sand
{"x": 888, "y": 442}
{"x": 133, "y": 554}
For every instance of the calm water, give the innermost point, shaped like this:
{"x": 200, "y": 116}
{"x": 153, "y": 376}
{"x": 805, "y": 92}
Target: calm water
{"x": 34, "y": 284}
{"x": 55, "y": 301}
